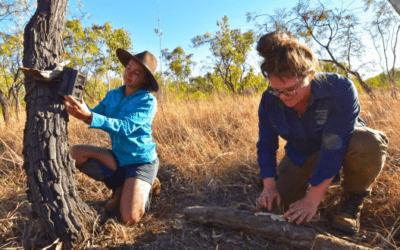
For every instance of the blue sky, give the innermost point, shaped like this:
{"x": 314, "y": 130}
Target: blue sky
{"x": 181, "y": 20}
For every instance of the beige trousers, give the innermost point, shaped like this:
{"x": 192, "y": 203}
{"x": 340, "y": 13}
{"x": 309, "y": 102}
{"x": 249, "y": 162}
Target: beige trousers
{"x": 362, "y": 163}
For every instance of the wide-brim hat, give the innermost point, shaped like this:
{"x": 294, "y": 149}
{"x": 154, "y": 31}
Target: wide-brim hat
{"x": 146, "y": 59}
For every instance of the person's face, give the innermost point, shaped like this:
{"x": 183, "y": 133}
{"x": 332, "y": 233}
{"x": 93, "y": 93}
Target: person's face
{"x": 291, "y": 90}
{"x": 134, "y": 75}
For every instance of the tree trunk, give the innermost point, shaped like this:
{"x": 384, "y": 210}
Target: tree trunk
{"x": 270, "y": 226}
{"x": 364, "y": 86}
{"x": 47, "y": 163}
{"x": 5, "y": 107}
{"x": 396, "y": 5}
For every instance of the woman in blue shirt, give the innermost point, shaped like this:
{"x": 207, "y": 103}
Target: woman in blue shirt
{"x": 126, "y": 114}
{"x": 318, "y": 115}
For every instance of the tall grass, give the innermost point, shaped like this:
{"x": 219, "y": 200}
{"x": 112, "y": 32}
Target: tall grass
{"x": 203, "y": 145}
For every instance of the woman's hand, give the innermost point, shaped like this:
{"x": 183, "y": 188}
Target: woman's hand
{"x": 269, "y": 194}
{"x": 77, "y": 109}
{"x": 301, "y": 210}
{"x": 306, "y": 208}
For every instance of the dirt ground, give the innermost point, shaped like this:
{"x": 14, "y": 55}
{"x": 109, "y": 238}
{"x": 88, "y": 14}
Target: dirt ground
{"x": 165, "y": 227}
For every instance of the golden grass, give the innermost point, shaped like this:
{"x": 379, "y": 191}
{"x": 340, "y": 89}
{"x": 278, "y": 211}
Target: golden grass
{"x": 204, "y": 146}
{"x": 206, "y": 140}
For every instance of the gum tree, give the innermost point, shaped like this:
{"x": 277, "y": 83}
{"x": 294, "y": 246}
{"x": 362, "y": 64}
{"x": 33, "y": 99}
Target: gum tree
{"x": 230, "y": 49}
{"x": 334, "y": 32}
{"x": 51, "y": 188}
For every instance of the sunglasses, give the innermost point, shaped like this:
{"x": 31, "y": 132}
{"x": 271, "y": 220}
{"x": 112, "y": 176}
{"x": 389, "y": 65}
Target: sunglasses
{"x": 290, "y": 92}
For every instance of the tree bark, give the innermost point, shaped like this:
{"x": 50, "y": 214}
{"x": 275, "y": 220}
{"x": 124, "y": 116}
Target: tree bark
{"x": 47, "y": 163}
{"x": 396, "y": 5}
{"x": 5, "y": 107}
{"x": 270, "y": 226}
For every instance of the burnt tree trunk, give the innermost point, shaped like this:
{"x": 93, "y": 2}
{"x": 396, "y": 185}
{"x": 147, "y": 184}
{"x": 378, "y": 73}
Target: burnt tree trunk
{"x": 5, "y": 107}
{"x": 49, "y": 168}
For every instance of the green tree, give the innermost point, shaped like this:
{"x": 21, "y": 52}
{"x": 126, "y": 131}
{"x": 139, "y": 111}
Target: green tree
{"x": 230, "y": 49}
{"x": 11, "y": 49}
{"x": 13, "y": 15}
{"x": 334, "y": 31}
{"x": 384, "y": 30}
{"x": 92, "y": 50}
{"x": 179, "y": 65}
{"x": 380, "y": 81}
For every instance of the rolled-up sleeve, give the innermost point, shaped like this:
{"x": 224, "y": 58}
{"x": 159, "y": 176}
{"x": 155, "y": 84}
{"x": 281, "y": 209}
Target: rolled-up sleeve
{"x": 338, "y": 129}
{"x": 141, "y": 115}
{"x": 267, "y": 144}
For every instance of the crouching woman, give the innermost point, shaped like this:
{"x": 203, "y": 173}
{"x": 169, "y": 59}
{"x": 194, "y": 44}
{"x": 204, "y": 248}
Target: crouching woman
{"x": 126, "y": 114}
{"x": 318, "y": 116}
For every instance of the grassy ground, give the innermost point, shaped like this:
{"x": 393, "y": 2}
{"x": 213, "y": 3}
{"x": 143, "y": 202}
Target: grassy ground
{"x": 208, "y": 157}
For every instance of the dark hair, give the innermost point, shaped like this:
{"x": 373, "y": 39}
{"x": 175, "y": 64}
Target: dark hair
{"x": 285, "y": 57}
{"x": 146, "y": 85}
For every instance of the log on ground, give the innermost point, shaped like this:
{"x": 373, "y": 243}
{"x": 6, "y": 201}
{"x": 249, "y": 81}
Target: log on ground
{"x": 270, "y": 226}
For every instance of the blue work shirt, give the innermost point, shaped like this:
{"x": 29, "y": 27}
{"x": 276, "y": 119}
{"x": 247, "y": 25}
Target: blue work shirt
{"x": 128, "y": 122}
{"x": 326, "y": 126}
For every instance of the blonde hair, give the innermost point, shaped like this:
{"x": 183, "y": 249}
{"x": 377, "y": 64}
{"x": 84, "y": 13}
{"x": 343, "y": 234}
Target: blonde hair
{"x": 285, "y": 57}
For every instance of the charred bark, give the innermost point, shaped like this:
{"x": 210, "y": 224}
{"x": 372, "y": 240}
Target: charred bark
{"x": 47, "y": 163}
{"x": 272, "y": 227}
{"x": 5, "y": 107}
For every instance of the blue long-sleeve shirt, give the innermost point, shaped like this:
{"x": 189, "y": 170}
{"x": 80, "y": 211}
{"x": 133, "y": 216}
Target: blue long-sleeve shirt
{"x": 128, "y": 122}
{"x": 326, "y": 126}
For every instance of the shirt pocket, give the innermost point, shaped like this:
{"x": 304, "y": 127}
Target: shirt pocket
{"x": 281, "y": 128}
{"x": 126, "y": 111}
{"x": 318, "y": 123}
{"x": 111, "y": 110}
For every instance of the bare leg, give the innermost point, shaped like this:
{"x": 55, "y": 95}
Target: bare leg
{"x": 81, "y": 153}
{"x": 133, "y": 201}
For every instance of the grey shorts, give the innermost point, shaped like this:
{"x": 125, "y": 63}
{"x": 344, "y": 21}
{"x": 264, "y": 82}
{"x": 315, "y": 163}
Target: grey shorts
{"x": 116, "y": 179}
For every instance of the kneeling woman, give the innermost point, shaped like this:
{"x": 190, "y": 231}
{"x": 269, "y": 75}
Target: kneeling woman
{"x": 126, "y": 114}
{"x": 318, "y": 115}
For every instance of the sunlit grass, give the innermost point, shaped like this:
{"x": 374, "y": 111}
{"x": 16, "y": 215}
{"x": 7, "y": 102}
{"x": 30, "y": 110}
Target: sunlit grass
{"x": 205, "y": 145}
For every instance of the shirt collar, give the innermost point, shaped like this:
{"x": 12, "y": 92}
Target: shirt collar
{"x": 321, "y": 88}
{"x": 138, "y": 92}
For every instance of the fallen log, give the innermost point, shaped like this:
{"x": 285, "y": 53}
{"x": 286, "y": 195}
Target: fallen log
{"x": 270, "y": 226}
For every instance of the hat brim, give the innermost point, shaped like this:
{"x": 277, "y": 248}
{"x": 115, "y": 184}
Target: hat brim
{"x": 124, "y": 57}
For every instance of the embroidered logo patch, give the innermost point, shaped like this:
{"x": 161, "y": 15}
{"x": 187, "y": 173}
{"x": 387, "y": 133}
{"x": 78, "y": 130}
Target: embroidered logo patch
{"x": 321, "y": 116}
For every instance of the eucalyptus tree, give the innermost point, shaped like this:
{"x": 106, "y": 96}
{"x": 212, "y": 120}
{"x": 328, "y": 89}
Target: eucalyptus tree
{"x": 335, "y": 32}
{"x": 10, "y": 60}
{"x": 384, "y": 30}
{"x": 52, "y": 191}
{"x": 10, "y": 9}
{"x": 92, "y": 49}
{"x": 230, "y": 49}
{"x": 179, "y": 65}
{"x": 13, "y": 16}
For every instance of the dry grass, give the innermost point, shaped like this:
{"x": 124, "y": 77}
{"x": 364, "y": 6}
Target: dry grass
{"x": 208, "y": 157}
